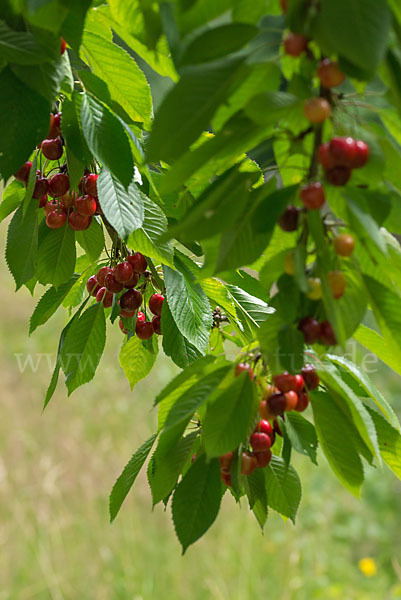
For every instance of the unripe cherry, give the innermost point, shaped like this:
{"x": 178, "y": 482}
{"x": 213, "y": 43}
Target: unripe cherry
{"x": 156, "y": 303}
{"x": 344, "y": 244}
{"x": 123, "y": 272}
{"x": 68, "y": 199}
{"x": 337, "y": 283}
{"x": 289, "y": 263}
{"x": 315, "y": 288}
{"x": 316, "y": 110}
{"x": 329, "y": 73}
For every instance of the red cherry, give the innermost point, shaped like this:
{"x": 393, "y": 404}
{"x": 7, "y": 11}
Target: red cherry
{"x": 52, "y": 149}
{"x": 52, "y": 205}
{"x": 43, "y": 201}
{"x": 78, "y": 222}
{"x": 241, "y": 368}
{"x": 144, "y": 329}
{"x": 338, "y": 175}
{"x": 288, "y": 221}
{"x": 41, "y": 187}
{"x": 362, "y": 154}
{"x": 123, "y": 329}
{"x": 23, "y": 173}
{"x": 343, "y": 150}
{"x": 286, "y": 382}
{"x": 295, "y": 44}
{"x": 59, "y": 185}
{"x": 303, "y": 401}
{"x": 63, "y": 45}
{"x": 325, "y": 158}
{"x": 284, "y": 5}
{"x": 133, "y": 281}
{"x": 276, "y": 404}
{"x": 316, "y": 110}
{"x": 101, "y": 274}
{"x": 260, "y": 442}
{"x": 90, "y": 184}
{"x": 264, "y": 426}
{"x": 310, "y": 328}
{"x": 312, "y": 196}
{"x": 137, "y": 262}
{"x": 86, "y": 205}
{"x": 141, "y": 316}
{"x": 248, "y": 463}
{"x": 131, "y": 300}
{"x": 226, "y": 478}
{"x": 156, "y": 303}
{"x": 56, "y": 219}
{"x": 54, "y": 129}
{"x": 127, "y": 314}
{"x": 92, "y": 286}
{"x": 311, "y": 378}
{"x": 156, "y": 322}
{"x": 329, "y": 73}
{"x": 225, "y": 462}
{"x": 112, "y": 284}
{"x": 104, "y": 296}
{"x": 263, "y": 458}
{"x": 123, "y": 272}
{"x": 327, "y": 335}
{"x": 291, "y": 399}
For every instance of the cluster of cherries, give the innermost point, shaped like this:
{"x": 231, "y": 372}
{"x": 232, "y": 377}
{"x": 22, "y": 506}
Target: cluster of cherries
{"x": 288, "y": 392}
{"x": 339, "y": 156}
{"x": 313, "y": 331}
{"x": 64, "y": 204}
{"x": 113, "y": 280}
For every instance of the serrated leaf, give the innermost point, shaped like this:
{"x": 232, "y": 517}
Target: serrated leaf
{"x": 56, "y": 256}
{"x": 106, "y": 138}
{"x": 255, "y": 487}
{"x": 283, "y": 488}
{"x": 122, "y": 207}
{"x": 49, "y": 303}
{"x": 20, "y": 47}
{"x": 343, "y": 457}
{"x": 146, "y": 238}
{"x": 196, "y": 501}
{"x": 137, "y": 360}
{"x": 24, "y": 119}
{"x": 373, "y": 341}
{"x": 229, "y": 416}
{"x": 125, "y": 80}
{"x": 12, "y": 197}
{"x": 302, "y": 435}
{"x": 166, "y": 470}
{"x": 188, "y": 305}
{"x": 124, "y": 483}
{"x": 83, "y": 347}
{"x": 389, "y": 442}
{"x": 175, "y": 345}
{"x": 194, "y": 370}
{"x": 91, "y": 240}
{"x": 21, "y": 258}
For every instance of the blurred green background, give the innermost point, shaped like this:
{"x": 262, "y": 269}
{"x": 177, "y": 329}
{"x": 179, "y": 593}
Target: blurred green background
{"x": 57, "y": 468}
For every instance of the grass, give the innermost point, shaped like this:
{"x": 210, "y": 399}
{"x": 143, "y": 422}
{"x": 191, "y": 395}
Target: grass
{"x": 57, "y": 468}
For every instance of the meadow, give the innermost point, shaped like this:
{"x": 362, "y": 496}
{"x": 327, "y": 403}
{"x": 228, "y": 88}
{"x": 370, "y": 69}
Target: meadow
{"x": 57, "y": 468}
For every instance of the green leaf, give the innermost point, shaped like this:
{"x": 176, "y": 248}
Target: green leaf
{"x": 77, "y": 149}
{"x": 343, "y": 457}
{"x": 218, "y": 42}
{"x": 126, "y": 480}
{"x": 91, "y": 240}
{"x": 291, "y": 348}
{"x": 302, "y": 435}
{"x": 270, "y": 107}
{"x": 137, "y": 360}
{"x": 255, "y": 487}
{"x": 196, "y": 501}
{"x": 21, "y": 257}
{"x": 188, "y": 305}
{"x": 367, "y": 386}
{"x": 253, "y": 309}
{"x": 365, "y": 47}
{"x": 125, "y": 80}
{"x": 185, "y": 378}
{"x": 374, "y": 342}
{"x": 20, "y": 47}
{"x": 83, "y": 347}
{"x": 385, "y": 304}
{"x": 73, "y": 24}
{"x": 56, "y": 256}
{"x": 228, "y": 417}
{"x": 187, "y": 109}
{"x": 106, "y": 138}
{"x": 175, "y": 345}
{"x": 123, "y": 208}
{"x": 365, "y": 226}
{"x": 165, "y": 471}
{"x": 49, "y": 303}
{"x": 146, "y": 238}
{"x": 24, "y": 119}
{"x": 13, "y": 195}
{"x": 389, "y": 442}
{"x": 283, "y": 488}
